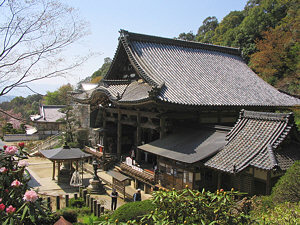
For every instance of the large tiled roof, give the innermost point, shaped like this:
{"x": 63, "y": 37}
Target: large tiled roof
{"x": 49, "y": 113}
{"x": 196, "y": 74}
{"x": 188, "y": 145}
{"x": 254, "y": 141}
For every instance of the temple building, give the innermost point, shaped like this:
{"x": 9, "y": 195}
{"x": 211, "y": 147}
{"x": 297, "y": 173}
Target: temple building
{"x": 49, "y": 121}
{"x": 175, "y": 113}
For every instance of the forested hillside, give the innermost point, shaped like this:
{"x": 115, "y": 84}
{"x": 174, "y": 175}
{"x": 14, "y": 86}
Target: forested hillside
{"x": 267, "y": 32}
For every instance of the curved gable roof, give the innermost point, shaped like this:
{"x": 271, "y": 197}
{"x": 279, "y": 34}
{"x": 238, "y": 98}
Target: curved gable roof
{"x": 192, "y": 73}
{"x": 254, "y": 141}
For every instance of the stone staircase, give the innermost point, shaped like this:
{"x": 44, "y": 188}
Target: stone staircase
{"x": 48, "y": 143}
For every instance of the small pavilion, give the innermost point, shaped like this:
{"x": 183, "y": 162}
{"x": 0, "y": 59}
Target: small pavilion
{"x": 64, "y": 155}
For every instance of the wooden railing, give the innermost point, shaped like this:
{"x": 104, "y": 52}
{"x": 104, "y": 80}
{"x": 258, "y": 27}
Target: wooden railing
{"x": 142, "y": 174}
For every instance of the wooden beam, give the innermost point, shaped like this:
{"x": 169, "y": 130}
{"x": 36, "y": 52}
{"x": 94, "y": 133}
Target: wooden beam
{"x": 133, "y": 112}
{"x": 111, "y": 119}
{"x": 129, "y": 122}
{"x": 119, "y": 136}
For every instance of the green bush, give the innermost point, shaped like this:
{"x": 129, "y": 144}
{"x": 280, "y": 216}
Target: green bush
{"x": 281, "y": 214}
{"x": 287, "y": 189}
{"x": 70, "y": 214}
{"x": 132, "y": 210}
{"x": 77, "y": 203}
{"x": 189, "y": 206}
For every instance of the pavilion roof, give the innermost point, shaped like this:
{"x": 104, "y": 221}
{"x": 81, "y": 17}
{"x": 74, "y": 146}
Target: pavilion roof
{"x": 255, "y": 140}
{"x": 64, "y": 153}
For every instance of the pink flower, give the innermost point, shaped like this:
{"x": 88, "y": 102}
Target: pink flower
{"x": 3, "y": 170}
{"x": 30, "y": 196}
{"x": 0, "y": 199}
{"x": 11, "y": 150}
{"x": 10, "y": 209}
{"x": 16, "y": 183}
{"x": 23, "y": 163}
{"x": 2, "y": 207}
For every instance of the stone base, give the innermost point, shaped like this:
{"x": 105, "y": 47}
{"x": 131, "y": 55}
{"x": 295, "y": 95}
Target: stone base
{"x": 64, "y": 176}
{"x": 96, "y": 187}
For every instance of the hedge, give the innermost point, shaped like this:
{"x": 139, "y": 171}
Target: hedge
{"x": 133, "y": 210}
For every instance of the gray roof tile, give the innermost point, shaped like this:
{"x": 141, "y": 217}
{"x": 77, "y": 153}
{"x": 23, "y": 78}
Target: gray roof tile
{"x": 188, "y": 145}
{"x": 254, "y": 141}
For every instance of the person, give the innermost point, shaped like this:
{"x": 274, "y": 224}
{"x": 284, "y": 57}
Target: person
{"x": 137, "y": 196}
{"x": 132, "y": 154}
{"x": 114, "y": 199}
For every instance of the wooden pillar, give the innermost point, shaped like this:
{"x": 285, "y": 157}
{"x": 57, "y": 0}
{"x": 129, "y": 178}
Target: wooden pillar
{"x": 58, "y": 170}
{"x": 162, "y": 124}
{"x": 57, "y": 203}
{"x": 119, "y": 137}
{"x": 77, "y": 165}
{"x": 53, "y": 172}
{"x": 268, "y": 183}
{"x": 239, "y": 181}
{"x": 252, "y": 182}
{"x": 49, "y": 203}
{"x": 98, "y": 209}
{"x": 67, "y": 200}
{"x": 138, "y": 136}
{"x": 105, "y": 147}
{"x": 219, "y": 180}
{"x": 95, "y": 207}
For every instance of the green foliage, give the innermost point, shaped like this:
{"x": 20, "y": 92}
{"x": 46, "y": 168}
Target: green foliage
{"x": 288, "y": 186}
{"x": 280, "y": 214}
{"x": 193, "y": 207}
{"x": 132, "y": 210}
{"x": 23, "y": 106}
{"x": 59, "y": 97}
{"x": 102, "y": 71}
{"x": 278, "y": 58}
{"x": 70, "y": 214}
{"x": 187, "y": 36}
{"x": 71, "y": 123}
{"x": 190, "y": 207}
{"x": 78, "y": 203}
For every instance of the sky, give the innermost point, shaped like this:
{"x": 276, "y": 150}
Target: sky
{"x": 165, "y": 18}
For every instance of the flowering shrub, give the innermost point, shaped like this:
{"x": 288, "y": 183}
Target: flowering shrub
{"x": 189, "y": 206}
{"x": 19, "y": 204}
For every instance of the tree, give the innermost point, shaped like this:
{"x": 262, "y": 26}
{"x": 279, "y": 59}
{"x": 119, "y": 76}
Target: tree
{"x": 59, "y": 97}
{"x": 33, "y": 35}
{"x": 226, "y": 31}
{"x": 287, "y": 189}
{"x": 278, "y": 57}
{"x": 187, "y": 36}
{"x": 101, "y": 72}
{"x": 206, "y": 30}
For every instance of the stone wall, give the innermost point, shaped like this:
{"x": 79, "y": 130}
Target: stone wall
{"x": 21, "y": 137}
